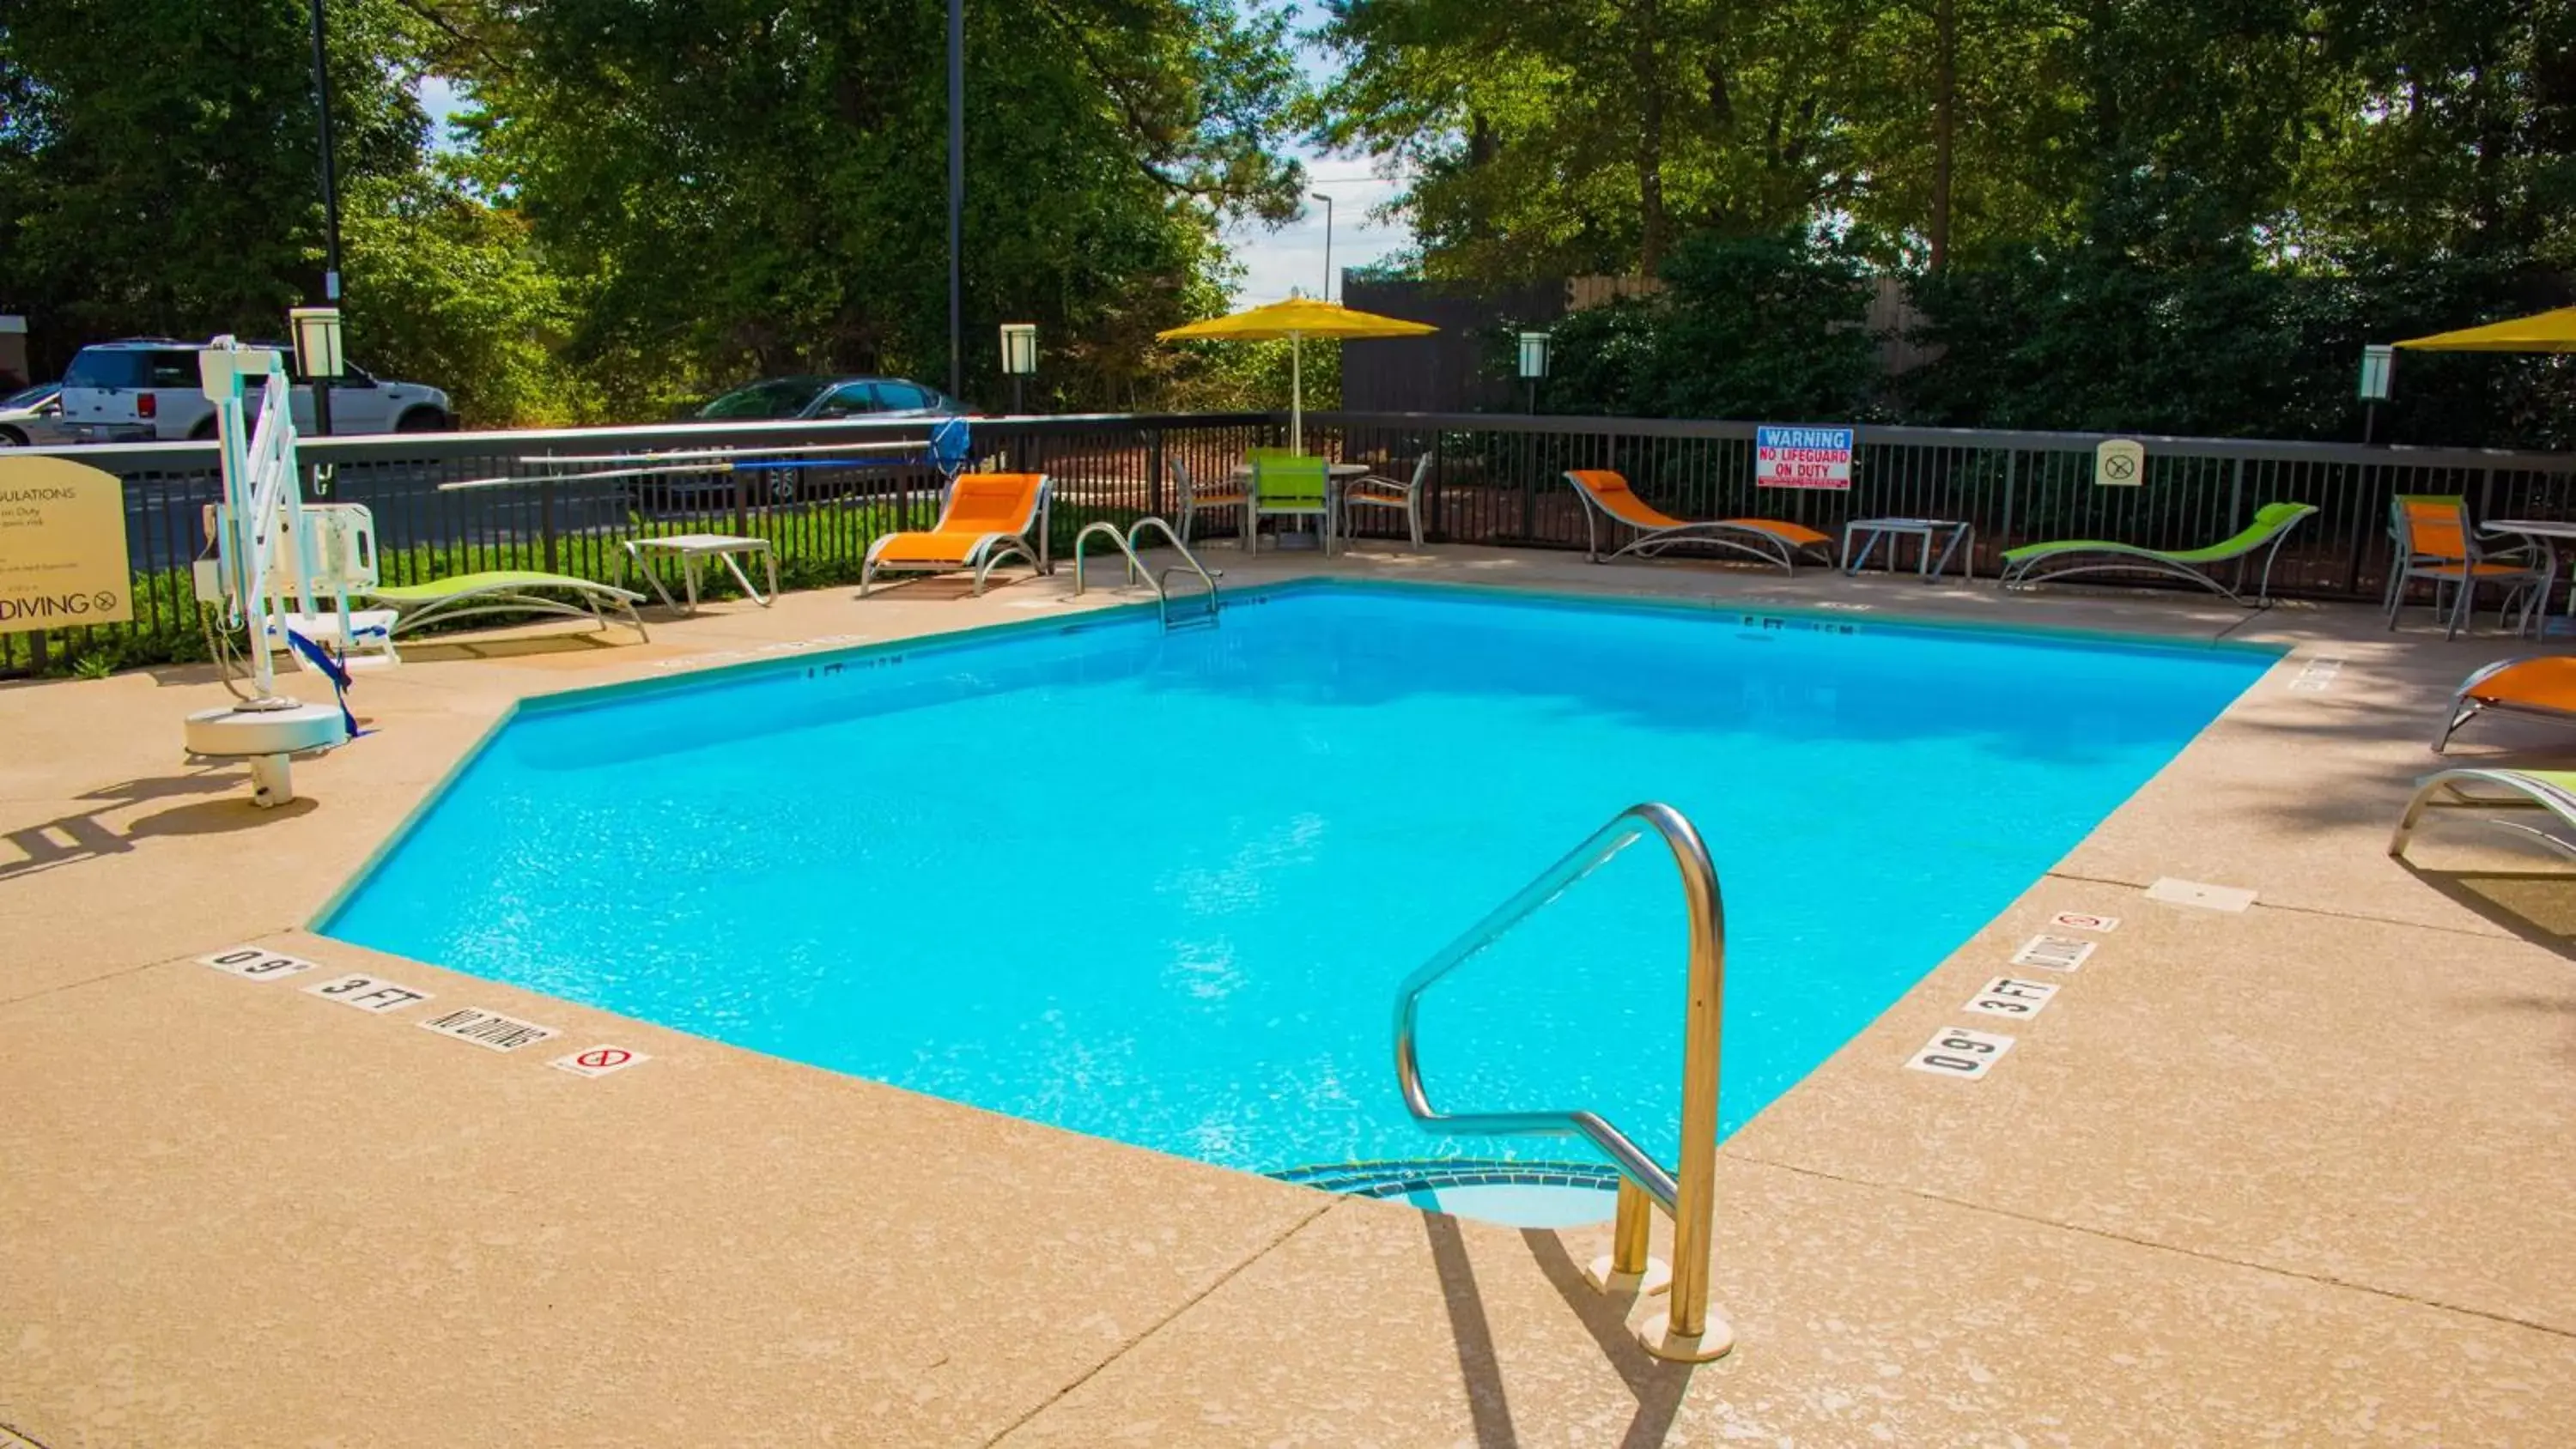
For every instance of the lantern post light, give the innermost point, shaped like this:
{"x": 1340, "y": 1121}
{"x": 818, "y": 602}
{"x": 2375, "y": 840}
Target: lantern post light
{"x": 1534, "y": 348}
{"x": 2378, "y": 361}
{"x": 1019, "y": 359}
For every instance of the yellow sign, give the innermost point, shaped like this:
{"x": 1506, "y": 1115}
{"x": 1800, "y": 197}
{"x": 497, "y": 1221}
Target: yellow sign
{"x": 62, "y": 546}
{"x": 2119, "y": 463}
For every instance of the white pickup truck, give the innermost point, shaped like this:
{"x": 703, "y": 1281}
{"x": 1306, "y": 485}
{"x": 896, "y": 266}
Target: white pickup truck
{"x": 146, "y": 389}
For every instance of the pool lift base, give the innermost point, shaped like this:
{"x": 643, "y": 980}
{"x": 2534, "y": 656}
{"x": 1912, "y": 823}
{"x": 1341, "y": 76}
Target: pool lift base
{"x": 269, "y": 732}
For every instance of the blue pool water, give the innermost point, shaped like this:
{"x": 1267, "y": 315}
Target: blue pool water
{"x": 1161, "y": 888}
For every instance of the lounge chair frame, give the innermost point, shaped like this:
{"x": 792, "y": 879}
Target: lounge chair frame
{"x": 510, "y": 593}
{"x": 2443, "y": 790}
{"x": 2465, "y": 706}
{"x": 988, "y": 552}
{"x": 1755, "y": 543}
{"x": 2084, "y": 557}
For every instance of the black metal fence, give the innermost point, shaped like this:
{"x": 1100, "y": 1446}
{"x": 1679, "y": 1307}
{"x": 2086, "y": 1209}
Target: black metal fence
{"x": 1493, "y": 480}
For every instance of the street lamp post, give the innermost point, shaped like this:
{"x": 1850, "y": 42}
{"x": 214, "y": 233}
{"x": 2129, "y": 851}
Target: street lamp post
{"x": 1019, "y": 359}
{"x": 1534, "y": 349}
{"x": 330, "y": 215}
{"x": 1328, "y": 241}
{"x": 2377, "y": 362}
{"x": 956, "y": 195}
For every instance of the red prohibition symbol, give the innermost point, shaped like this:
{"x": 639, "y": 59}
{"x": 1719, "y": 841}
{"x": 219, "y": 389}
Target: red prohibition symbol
{"x": 599, "y": 1057}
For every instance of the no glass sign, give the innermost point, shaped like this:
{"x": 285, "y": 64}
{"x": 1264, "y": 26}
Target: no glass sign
{"x": 62, "y": 546}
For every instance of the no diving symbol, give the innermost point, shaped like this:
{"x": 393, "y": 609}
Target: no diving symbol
{"x": 2119, "y": 463}
{"x": 597, "y": 1061}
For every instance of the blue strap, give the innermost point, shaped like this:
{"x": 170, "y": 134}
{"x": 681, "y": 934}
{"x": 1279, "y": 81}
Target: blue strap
{"x": 332, "y": 669}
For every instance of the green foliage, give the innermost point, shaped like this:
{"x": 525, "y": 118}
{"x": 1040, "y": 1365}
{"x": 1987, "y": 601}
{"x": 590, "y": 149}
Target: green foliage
{"x": 447, "y": 287}
{"x": 755, "y": 188}
{"x": 1770, "y": 327}
{"x": 2185, "y": 215}
{"x": 654, "y": 198}
{"x": 158, "y": 158}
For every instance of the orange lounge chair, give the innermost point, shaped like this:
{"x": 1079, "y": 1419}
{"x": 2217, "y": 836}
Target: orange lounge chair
{"x": 988, "y": 517}
{"x": 1607, "y": 497}
{"x": 2540, "y": 685}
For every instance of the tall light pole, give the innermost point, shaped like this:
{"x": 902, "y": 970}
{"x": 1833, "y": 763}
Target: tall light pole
{"x": 956, "y": 195}
{"x": 330, "y": 212}
{"x": 1328, "y": 238}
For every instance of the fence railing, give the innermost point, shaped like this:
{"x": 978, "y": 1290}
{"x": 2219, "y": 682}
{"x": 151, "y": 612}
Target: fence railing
{"x": 1494, "y": 480}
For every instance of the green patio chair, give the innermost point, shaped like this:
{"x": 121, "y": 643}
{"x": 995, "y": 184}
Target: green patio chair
{"x": 2035, "y": 563}
{"x": 1288, "y": 485}
{"x": 2551, "y": 791}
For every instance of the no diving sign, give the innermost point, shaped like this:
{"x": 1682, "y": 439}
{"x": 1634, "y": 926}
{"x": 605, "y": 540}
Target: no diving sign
{"x": 598, "y": 1061}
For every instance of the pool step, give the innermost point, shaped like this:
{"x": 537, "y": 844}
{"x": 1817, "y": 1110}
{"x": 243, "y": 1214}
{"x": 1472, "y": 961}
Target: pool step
{"x": 1397, "y": 1179}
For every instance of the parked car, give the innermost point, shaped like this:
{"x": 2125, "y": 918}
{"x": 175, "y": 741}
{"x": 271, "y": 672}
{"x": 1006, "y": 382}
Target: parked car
{"x": 831, "y": 397}
{"x": 789, "y": 398}
{"x": 33, "y": 417}
{"x": 146, "y": 389}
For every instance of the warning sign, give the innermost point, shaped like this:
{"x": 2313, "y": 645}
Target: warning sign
{"x": 1802, "y": 457}
{"x": 597, "y": 1061}
{"x": 489, "y": 1029}
{"x": 62, "y": 546}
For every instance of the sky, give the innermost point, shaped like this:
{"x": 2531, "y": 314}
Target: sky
{"x": 1273, "y": 261}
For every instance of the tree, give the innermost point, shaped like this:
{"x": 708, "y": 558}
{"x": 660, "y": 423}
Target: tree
{"x": 158, "y": 168}
{"x": 746, "y": 187}
{"x": 1766, "y": 327}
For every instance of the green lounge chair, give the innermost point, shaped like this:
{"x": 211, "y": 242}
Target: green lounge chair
{"x": 2039, "y": 562}
{"x": 509, "y": 591}
{"x": 2551, "y": 790}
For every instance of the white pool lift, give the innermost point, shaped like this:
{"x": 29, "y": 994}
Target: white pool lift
{"x": 267, "y": 544}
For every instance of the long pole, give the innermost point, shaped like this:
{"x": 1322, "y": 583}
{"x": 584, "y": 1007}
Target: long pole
{"x": 1328, "y": 242}
{"x": 956, "y": 195}
{"x": 330, "y": 211}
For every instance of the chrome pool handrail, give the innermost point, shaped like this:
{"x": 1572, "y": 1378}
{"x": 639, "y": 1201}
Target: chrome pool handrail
{"x": 1689, "y": 1196}
{"x": 1136, "y": 569}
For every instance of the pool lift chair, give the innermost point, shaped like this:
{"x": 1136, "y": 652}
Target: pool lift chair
{"x": 263, "y": 524}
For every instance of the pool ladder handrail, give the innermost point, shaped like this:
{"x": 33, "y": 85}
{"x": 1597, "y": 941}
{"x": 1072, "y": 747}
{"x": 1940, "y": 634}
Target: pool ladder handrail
{"x": 1136, "y": 569}
{"x": 1688, "y": 1197}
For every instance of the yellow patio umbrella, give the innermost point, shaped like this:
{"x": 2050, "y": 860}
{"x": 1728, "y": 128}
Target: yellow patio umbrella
{"x": 1297, "y": 319}
{"x": 2552, "y": 331}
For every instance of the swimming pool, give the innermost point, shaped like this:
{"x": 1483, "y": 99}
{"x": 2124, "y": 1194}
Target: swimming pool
{"x": 1161, "y": 887}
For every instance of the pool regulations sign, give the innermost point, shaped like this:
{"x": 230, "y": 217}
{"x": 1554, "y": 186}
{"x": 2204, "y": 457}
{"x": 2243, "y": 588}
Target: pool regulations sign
{"x": 1802, "y": 457}
{"x": 62, "y": 546}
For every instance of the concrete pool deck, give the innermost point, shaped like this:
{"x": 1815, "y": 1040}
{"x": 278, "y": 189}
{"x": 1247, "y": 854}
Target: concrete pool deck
{"x": 2292, "y": 1175}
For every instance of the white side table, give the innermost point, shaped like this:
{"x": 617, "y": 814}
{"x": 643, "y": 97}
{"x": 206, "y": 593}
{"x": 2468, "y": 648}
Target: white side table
{"x": 693, "y": 550}
{"x": 1958, "y": 540}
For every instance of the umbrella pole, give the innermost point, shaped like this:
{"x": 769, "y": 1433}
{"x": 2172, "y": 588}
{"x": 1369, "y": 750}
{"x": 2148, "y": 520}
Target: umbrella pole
{"x": 1296, "y": 393}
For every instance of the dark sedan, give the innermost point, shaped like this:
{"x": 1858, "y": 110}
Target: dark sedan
{"x": 831, "y": 397}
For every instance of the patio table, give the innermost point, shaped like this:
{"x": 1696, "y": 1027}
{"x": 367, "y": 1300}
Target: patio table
{"x": 1870, "y": 531}
{"x": 693, "y": 550}
{"x": 2552, "y": 537}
